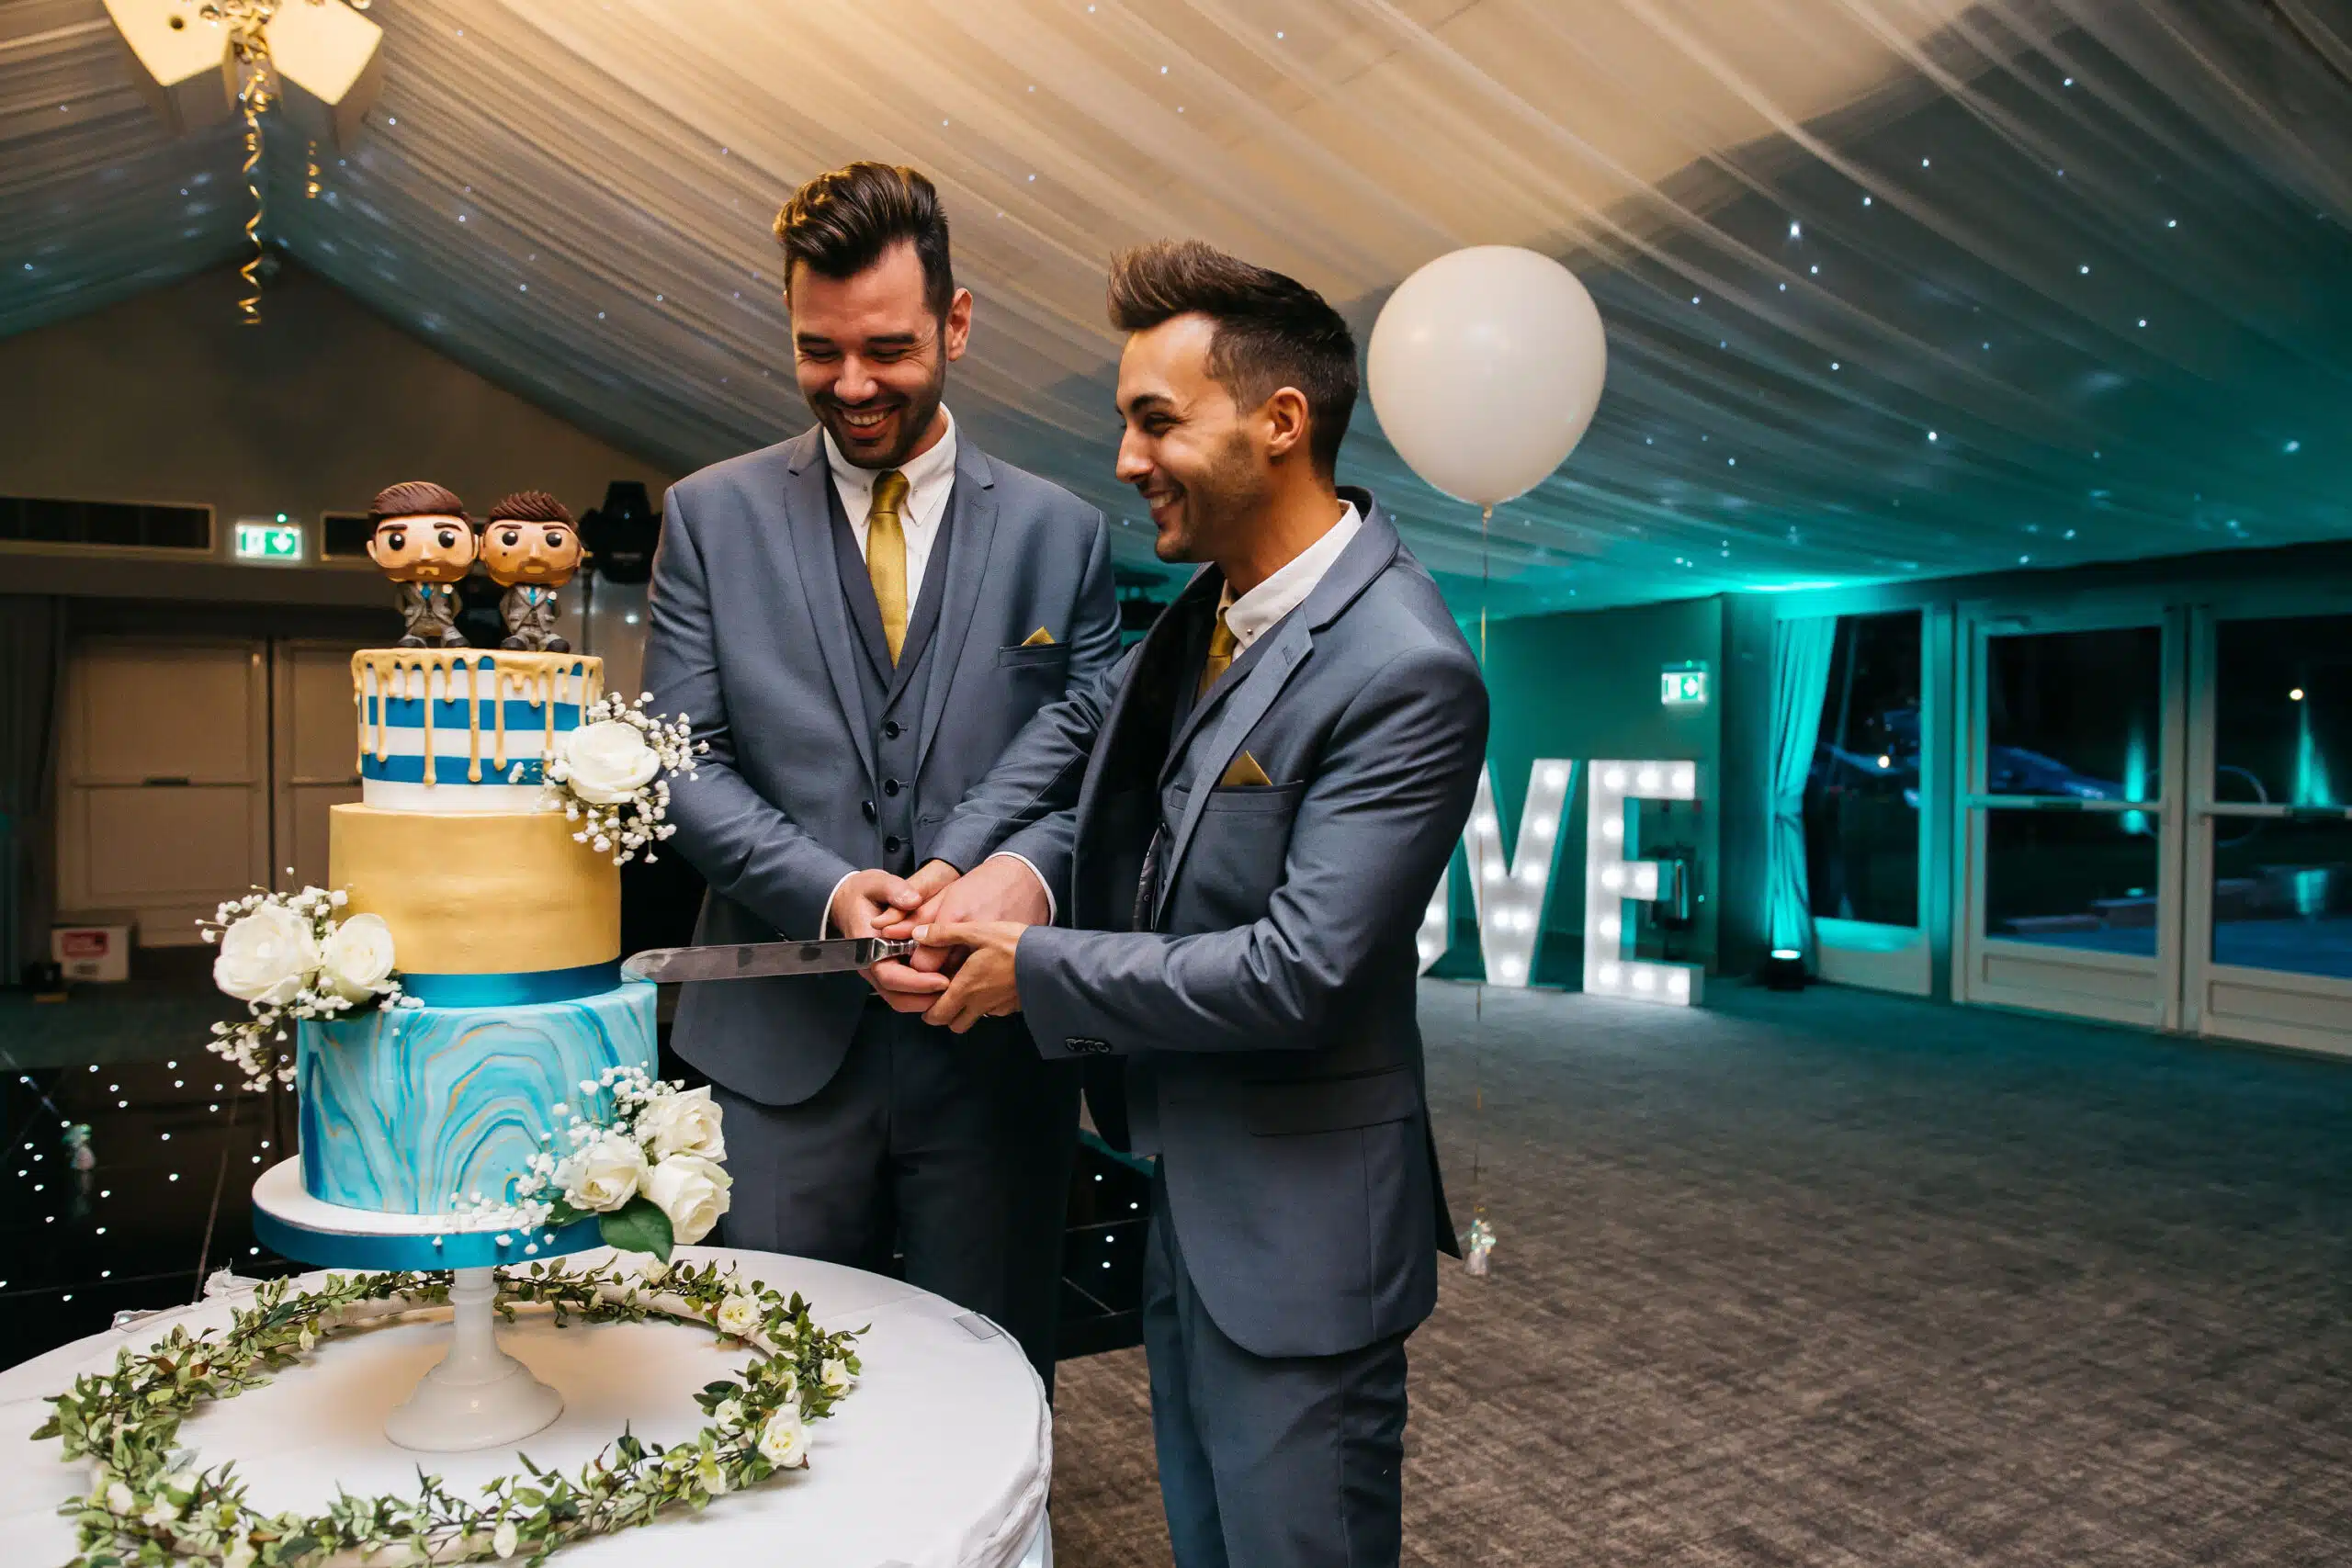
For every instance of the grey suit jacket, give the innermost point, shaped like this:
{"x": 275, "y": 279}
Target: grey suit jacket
{"x": 750, "y": 636}
{"x": 1269, "y": 1008}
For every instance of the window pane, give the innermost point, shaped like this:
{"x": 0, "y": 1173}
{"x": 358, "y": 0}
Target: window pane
{"x": 1861, "y": 803}
{"x": 2082, "y": 879}
{"x": 2282, "y": 895}
{"x": 2074, "y": 713}
{"x": 2283, "y": 710}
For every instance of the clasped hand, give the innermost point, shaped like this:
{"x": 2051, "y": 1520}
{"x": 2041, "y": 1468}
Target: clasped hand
{"x": 967, "y": 928}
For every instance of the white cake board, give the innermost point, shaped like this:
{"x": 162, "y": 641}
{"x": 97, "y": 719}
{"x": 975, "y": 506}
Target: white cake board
{"x": 479, "y": 1397}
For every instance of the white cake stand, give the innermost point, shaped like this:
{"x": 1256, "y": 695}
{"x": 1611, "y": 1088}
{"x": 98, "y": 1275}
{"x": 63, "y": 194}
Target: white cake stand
{"x": 479, "y": 1397}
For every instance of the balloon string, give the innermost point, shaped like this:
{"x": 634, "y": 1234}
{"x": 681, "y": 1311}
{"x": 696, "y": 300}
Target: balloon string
{"x": 1478, "y": 1228}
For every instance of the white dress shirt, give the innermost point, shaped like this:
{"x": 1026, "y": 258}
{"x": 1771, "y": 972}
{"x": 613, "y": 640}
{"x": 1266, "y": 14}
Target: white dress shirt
{"x": 1254, "y": 614}
{"x": 931, "y": 478}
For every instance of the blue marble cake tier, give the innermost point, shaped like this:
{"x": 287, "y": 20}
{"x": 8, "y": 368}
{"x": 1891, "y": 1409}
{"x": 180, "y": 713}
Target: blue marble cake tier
{"x": 403, "y": 1109}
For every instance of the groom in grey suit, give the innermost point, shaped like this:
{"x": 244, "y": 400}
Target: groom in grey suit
{"x": 1253, "y": 807}
{"x": 858, "y": 620}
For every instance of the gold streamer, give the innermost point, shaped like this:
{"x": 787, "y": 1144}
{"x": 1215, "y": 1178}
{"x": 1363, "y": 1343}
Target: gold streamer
{"x": 246, "y": 24}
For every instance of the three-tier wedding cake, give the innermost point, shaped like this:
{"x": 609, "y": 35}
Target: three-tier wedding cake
{"x": 507, "y": 932}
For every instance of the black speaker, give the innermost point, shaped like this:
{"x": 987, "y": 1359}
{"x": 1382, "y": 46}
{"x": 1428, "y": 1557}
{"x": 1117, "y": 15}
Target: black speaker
{"x": 621, "y": 534}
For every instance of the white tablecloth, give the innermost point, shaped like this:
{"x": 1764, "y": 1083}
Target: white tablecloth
{"x": 939, "y": 1460}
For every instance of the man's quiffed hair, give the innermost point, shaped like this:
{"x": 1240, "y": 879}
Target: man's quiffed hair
{"x": 840, "y": 223}
{"x": 1272, "y": 332}
{"x": 414, "y": 498}
{"x": 530, "y": 506}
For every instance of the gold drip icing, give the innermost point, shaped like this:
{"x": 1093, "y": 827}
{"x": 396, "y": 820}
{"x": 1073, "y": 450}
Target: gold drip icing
{"x": 542, "y": 679}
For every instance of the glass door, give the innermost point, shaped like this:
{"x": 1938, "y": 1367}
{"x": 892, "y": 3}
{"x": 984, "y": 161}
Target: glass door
{"x": 2268, "y": 913}
{"x": 2071, "y": 748}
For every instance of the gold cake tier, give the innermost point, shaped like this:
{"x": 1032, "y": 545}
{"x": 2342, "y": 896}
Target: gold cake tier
{"x": 478, "y": 893}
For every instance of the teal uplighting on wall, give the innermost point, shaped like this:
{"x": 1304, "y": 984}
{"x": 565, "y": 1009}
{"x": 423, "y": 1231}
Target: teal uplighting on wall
{"x": 2135, "y": 777}
{"x": 2310, "y": 768}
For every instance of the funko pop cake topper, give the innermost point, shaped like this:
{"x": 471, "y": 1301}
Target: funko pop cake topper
{"x": 422, "y": 541}
{"x": 530, "y": 548}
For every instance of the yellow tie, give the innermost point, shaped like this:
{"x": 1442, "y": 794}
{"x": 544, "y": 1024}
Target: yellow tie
{"x": 1221, "y": 642}
{"x": 886, "y": 557}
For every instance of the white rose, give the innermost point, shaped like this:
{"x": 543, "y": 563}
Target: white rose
{"x": 837, "y": 1378}
{"x": 118, "y": 1498}
{"x": 654, "y": 1273}
{"x": 783, "y": 1441}
{"x": 714, "y": 1479}
{"x": 265, "y": 956}
{"x": 728, "y": 1414}
{"x": 241, "y": 1554}
{"x": 359, "y": 958}
{"x": 739, "y": 1315}
{"x": 684, "y": 1124}
{"x": 692, "y": 1192}
{"x": 605, "y": 762}
{"x": 504, "y": 1540}
{"x": 600, "y": 1177}
{"x": 161, "y": 1512}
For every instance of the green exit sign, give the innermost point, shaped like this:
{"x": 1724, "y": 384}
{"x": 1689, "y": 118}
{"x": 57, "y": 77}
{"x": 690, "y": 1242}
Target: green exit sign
{"x": 269, "y": 539}
{"x": 1682, "y": 685}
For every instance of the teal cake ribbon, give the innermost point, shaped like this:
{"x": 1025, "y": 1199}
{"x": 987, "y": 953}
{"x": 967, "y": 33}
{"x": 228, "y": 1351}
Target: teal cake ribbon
{"x": 518, "y": 989}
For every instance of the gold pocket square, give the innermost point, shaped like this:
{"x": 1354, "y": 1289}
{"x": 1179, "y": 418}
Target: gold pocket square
{"x": 1041, "y": 638}
{"x": 1244, "y": 770}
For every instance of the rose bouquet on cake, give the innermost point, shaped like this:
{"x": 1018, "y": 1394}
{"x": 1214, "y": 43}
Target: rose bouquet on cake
{"x": 288, "y": 956}
{"x": 610, "y": 775}
{"x": 650, "y": 1171}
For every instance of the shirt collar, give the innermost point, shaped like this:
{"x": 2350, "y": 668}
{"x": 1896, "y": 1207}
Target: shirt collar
{"x": 935, "y": 467}
{"x": 1252, "y": 614}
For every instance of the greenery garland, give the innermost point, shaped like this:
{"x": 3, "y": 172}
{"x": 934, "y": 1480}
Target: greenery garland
{"x": 149, "y": 1505}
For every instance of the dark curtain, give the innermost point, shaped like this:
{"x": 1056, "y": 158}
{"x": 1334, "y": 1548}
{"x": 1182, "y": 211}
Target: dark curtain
{"x": 32, "y": 680}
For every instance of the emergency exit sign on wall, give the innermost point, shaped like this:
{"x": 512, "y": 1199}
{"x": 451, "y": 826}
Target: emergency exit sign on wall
{"x": 269, "y": 539}
{"x": 1682, "y": 685}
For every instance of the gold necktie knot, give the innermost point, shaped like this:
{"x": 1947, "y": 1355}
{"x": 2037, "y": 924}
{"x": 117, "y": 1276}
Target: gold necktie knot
{"x": 886, "y": 557}
{"x": 1222, "y": 643}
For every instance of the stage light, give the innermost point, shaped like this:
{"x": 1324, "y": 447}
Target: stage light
{"x": 1784, "y": 971}
{"x": 1611, "y": 878}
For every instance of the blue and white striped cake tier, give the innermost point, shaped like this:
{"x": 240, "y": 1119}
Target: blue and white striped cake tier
{"x": 463, "y": 730}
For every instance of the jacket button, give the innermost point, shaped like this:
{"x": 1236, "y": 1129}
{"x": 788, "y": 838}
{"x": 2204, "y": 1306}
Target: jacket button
{"x": 867, "y": 807}
{"x": 891, "y": 787}
{"x": 893, "y": 844}
{"x": 892, "y": 729}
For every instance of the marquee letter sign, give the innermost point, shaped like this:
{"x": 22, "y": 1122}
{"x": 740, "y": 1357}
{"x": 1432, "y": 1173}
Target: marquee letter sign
{"x": 1610, "y": 878}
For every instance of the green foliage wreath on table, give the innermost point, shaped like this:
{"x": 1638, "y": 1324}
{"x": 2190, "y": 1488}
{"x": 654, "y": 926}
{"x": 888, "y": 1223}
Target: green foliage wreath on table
{"x": 149, "y": 1504}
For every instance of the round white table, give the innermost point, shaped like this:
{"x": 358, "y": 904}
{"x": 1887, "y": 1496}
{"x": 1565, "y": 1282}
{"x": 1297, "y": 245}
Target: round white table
{"x": 940, "y": 1459}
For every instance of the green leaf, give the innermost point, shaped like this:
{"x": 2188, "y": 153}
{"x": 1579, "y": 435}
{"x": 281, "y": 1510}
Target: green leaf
{"x": 637, "y": 1225}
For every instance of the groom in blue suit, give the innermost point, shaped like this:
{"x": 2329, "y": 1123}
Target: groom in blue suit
{"x": 857, "y": 620}
{"x": 1252, "y": 808}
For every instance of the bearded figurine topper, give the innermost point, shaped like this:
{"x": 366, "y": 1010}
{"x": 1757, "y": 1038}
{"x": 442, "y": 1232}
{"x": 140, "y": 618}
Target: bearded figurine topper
{"x": 423, "y": 542}
{"x": 530, "y": 549}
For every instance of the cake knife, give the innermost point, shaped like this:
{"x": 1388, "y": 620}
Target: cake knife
{"x": 744, "y": 961}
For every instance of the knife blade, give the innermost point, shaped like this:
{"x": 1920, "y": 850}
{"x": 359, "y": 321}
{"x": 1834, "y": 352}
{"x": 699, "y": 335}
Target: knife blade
{"x": 745, "y": 961}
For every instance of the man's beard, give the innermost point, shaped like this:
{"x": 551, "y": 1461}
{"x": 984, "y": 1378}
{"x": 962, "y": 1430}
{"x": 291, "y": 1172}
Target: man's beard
{"x": 917, "y": 411}
{"x": 1217, "y": 502}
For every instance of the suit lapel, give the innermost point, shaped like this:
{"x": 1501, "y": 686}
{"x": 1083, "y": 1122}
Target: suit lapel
{"x": 1235, "y": 715}
{"x": 809, "y": 528}
{"x": 1253, "y": 689}
{"x": 971, "y": 522}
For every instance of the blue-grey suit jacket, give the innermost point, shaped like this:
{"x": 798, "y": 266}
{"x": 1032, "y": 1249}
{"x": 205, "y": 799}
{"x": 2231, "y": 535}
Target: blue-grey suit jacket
{"x": 750, "y": 636}
{"x": 1269, "y": 1006}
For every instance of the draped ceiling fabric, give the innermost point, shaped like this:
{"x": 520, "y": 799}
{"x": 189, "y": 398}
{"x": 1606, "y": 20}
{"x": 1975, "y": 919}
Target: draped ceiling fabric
{"x": 1894, "y": 289}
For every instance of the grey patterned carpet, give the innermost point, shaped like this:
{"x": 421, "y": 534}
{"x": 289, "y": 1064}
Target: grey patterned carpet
{"x": 1836, "y": 1278}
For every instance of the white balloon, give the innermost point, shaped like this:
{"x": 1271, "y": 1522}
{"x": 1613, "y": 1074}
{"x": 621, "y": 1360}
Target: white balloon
{"x": 1485, "y": 368}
